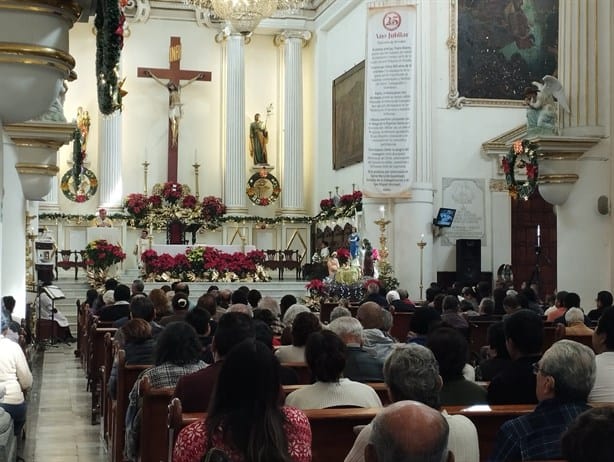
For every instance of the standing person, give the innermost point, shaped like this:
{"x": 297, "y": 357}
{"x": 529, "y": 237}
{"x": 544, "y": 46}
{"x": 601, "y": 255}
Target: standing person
{"x": 15, "y": 376}
{"x": 142, "y": 244}
{"x": 102, "y": 220}
{"x": 247, "y": 423}
{"x": 258, "y": 139}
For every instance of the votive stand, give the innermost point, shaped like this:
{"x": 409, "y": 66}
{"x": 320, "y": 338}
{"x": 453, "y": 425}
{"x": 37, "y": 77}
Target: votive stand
{"x": 421, "y": 244}
{"x": 383, "y": 240}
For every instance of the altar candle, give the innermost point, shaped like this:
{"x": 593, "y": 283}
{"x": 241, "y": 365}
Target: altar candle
{"x": 382, "y": 211}
{"x": 539, "y": 235}
{"x": 150, "y": 229}
{"x": 421, "y": 237}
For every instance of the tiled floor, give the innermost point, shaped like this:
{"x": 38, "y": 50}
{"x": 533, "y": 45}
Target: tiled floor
{"x": 58, "y": 427}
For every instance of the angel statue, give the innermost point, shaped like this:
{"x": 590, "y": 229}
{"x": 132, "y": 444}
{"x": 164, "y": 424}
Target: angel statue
{"x": 542, "y": 109}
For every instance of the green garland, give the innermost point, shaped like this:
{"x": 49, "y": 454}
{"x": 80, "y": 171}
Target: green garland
{"x": 109, "y": 23}
{"x": 524, "y": 154}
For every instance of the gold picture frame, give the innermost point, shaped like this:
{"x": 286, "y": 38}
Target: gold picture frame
{"x": 498, "y": 48}
{"x": 349, "y": 117}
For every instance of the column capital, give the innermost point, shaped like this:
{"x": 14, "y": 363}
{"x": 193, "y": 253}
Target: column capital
{"x": 303, "y": 35}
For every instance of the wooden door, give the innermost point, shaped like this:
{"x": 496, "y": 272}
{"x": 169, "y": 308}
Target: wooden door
{"x": 526, "y": 216}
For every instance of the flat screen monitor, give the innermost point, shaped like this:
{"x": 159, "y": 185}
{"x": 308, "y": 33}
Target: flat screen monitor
{"x": 445, "y": 217}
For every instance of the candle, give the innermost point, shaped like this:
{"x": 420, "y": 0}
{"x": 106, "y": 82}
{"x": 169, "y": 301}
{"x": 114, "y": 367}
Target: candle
{"x": 150, "y": 229}
{"x": 421, "y": 237}
{"x": 382, "y": 211}
{"x": 539, "y": 235}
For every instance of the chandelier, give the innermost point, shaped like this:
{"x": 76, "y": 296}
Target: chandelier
{"x": 245, "y": 15}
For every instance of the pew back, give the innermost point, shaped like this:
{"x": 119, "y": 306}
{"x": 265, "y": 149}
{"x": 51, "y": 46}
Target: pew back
{"x": 153, "y": 443}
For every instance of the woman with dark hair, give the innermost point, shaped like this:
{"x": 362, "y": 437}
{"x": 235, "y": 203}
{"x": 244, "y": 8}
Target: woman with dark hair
{"x": 452, "y": 351}
{"x": 303, "y": 325}
{"x": 181, "y": 305}
{"x": 603, "y": 344}
{"x": 498, "y": 357}
{"x": 246, "y": 422}
{"x": 325, "y": 353}
{"x": 176, "y": 354}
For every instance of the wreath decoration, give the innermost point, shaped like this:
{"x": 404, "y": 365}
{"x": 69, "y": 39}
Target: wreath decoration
{"x": 263, "y": 188}
{"x": 81, "y": 191}
{"x": 109, "y": 24}
{"x": 523, "y": 154}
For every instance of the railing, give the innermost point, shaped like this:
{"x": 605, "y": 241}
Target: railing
{"x": 70, "y": 259}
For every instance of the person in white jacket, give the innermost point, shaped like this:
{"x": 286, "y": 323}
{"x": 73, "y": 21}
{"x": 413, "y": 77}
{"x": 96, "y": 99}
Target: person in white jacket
{"x": 15, "y": 377}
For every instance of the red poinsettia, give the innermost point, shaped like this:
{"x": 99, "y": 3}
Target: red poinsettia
{"x": 155, "y": 200}
{"x": 506, "y": 165}
{"x": 212, "y": 208}
{"x": 189, "y": 202}
{"x": 136, "y": 204}
{"x": 172, "y": 191}
{"x": 315, "y": 286}
{"x": 343, "y": 255}
{"x": 327, "y": 204}
{"x": 531, "y": 171}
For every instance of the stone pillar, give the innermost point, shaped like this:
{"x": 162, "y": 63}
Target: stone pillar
{"x": 293, "y": 200}
{"x": 235, "y": 136}
{"x": 110, "y": 161}
{"x": 51, "y": 199}
{"x": 584, "y": 51}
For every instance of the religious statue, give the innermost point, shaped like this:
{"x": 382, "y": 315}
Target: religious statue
{"x": 175, "y": 111}
{"x": 333, "y": 265}
{"x": 258, "y": 139}
{"x": 354, "y": 241}
{"x": 368, "y": 268}
{"x": 102, "y": 221}
{"x": 55, "y": 113}
{"x": 542, "y": 107}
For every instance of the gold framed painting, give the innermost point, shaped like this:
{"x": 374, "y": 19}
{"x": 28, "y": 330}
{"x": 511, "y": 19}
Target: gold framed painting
{"x": 348, "y": 117}
{"x": 498, "y": 48}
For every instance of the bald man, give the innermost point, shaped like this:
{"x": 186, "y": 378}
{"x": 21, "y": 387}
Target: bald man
{"x": 376, "y": 340}
{"x": 409, "y": 431}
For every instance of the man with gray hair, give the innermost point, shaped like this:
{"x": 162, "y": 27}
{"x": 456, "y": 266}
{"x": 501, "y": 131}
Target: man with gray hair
{"x": 411, "y": 372}
{"x": 360, "y": 365}
{"x": 565, "y": 377}
{"x": 423, "y": 435}
{"x": 339, "y": 312}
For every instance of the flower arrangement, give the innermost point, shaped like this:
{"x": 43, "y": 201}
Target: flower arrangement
{"x": 212, "y": 208}
{"x": 327, "y": 204}
{"x": 189, "y": 202}
{"x": 172, "y": 191}
{"x": 155, "y": 200}
{"x": 137, "y": 205}
{"x": 347, "y": 206}
{"x": 343, "y": 255}
{"x": 523, "y": 154}
{"x": 101, "y": 255}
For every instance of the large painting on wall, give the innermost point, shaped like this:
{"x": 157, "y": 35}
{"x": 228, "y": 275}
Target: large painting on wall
{"x": 348, "y": 117}
{"x": 498, "y": 47}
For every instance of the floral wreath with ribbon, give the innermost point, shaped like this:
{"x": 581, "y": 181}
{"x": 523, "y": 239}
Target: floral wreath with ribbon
{"x": 523, "y": 154}
{"x": 257, "y": 194}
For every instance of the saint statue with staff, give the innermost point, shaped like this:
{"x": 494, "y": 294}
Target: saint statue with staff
{"x": 258, "y": 138}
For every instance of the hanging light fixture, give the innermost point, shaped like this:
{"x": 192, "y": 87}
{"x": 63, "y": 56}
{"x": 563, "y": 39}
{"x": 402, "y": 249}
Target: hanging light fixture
{"x": 245, "y": 15}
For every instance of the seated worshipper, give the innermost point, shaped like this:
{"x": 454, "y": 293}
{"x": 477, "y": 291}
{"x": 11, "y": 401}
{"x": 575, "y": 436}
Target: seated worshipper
{"x": 138, "y": 344}
{"x": 141, "y": 307}
{"x": 288, "y": 319}
{"x": 121, "y": 307}
{"x": 138, "y": 287}
{"x": 339, "y": 312}
{"x": 497, "y": 356}
{"x": 181, "y": 305}
{"x": 558, "y": 308}
{"x": 572, "y": 300}
{"x": 486, "y": 310}
{"x": 253, "y": 298}
{"x": 589, "y": 437}
{"x": 452, "y": 352}
{"x": 286, "y": 302}
{"x": 264, "y": 334}
{"x": 162, "y": 306}
{"x": 510, "y": 305}
{"x": 325, "y": 353}
{"x": 247, "y": 423}
{"x": 565, "y": 377}
{"x": 423, "y": 320}
{"x": 394, "y": 301}
{"x": 422, "y": 437}
{"x": 604, "y": 300}
{"x": 467, "y": 310}
{"x": 182, "y": 287}
{"x": 411, "y": 372}
{"x": 15, "y": 377}
{"x": 451, "y": 314}
{"x": 176, "y": 354}
{"x": 223, "y": 299}
{"x": 408, "y": 304}
{"x": 360, "y": 365}
{"x": 109, "y": 285}
{"x": 603, "y": 344}
{"x": 239, "y": 296}
{"x": 269, "y": 318}
{"x": 8, "y": 305}
{"x": 575, "y": 323}
{"x": 373, "y": 294}
{"x": 208, "y": 303}
{"x": 303, "y": 325}
{"x": 199, "y": 319}
{"x": 44, "y": 308}
{"x": 270, "y": 304}
{"x": 195, "y": 390}
{"x": 90, "y": 299}
{"x": 524, "y": 334}
{"x": 375, "y": 340}
{"x": 468, "y": 294}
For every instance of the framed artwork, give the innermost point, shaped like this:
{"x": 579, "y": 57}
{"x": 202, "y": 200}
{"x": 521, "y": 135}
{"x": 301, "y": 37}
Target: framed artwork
{"x": 348, "y": 117}
{"x": 498, "y": 47}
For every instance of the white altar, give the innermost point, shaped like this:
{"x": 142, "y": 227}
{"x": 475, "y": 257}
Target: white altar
{"x": 111, "y": 235}
{"x": 178, "y": 249}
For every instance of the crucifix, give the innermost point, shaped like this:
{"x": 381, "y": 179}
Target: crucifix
{"x": 175, "y": 75}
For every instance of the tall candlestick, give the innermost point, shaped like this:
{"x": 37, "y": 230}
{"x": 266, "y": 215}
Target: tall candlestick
{"x": 196, "y": 165}
{"x": 539, "y": 235}
{"x": 145, "y": 170}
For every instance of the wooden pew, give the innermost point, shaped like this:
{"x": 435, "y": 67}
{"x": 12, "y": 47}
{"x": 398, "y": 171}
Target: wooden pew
{"x": 478, "y": 335}
{"x": 105, "y": 373}
{"x": 153, "y": 444}
{"x": 126, "y": 378}
{"x": 95, "y": 362}
{"x": 332, "y": 430}
{"x": 401, "y": 325}
{"x": 488, "y": 420}
{"x": 559, "y": 334}
{"x": 302, "y": 371}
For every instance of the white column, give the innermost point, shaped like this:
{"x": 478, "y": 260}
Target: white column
{"x": 110, "y": 160}
{"x": 51, "y": 199}
{"x": 293, "y": 200}
{"x": 235, "y": 137}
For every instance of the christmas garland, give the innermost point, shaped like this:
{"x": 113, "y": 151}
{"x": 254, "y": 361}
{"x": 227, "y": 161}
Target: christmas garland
{"x": 523, "y": 154}
{"x": 109, "y": 24}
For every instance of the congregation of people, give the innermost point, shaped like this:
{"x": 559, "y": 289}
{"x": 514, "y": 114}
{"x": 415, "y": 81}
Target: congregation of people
{"x": 229, "y": 353}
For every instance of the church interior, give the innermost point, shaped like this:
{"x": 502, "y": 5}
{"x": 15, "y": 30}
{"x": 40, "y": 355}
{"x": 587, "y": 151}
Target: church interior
{"x": 277, "y": 119}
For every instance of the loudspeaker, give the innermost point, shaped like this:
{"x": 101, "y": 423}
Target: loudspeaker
{"x": 603, "y": 205}
{"x": 468, "y": 260}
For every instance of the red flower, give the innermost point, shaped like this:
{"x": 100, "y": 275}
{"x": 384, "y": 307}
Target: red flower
{"x": 189, "y": 202}
{"x": 155, "y": 200}
{"x": 264, "y": 201}
{"x": 343, "y": 255}
{"x": 212, "y": 208}
{"x": 531, "y": 171}
{"x": 327, "y": 204}
{"x": 506, "y": 165}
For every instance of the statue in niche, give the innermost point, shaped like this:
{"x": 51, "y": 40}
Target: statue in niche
{"x": 542, "y": 109}
{"x": 55, "y": 113}
{"x": 258, "y": 139}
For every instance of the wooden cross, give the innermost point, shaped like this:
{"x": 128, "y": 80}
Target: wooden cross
{"x": 174, "y": 74}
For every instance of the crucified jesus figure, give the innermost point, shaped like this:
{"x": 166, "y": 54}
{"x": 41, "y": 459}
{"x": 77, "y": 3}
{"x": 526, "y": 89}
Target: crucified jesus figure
{"x": 175, "y": 111}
